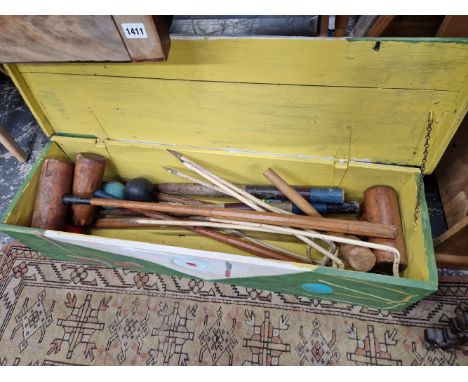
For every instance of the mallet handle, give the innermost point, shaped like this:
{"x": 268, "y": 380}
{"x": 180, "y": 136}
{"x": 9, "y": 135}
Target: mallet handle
{"x": 305, "y": 222}
{"x": 348, "y": 207}
{"x": 290, "y": 192}
{"x": 233, "y": 241}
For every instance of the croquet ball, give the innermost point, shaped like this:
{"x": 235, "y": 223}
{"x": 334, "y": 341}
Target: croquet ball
{"x": 139, "y": 189}
{"x": 104, "y": 195}
{"x": 116, "y": 189}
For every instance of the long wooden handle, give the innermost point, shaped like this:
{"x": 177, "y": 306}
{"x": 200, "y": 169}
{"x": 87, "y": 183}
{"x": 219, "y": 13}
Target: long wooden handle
{"x": 359, "y": 258}
{"x": 351, "y": 207}
{"x": 324, "y": 224}
{"x": 162, "y": 197}
{"x": 186, "y": 189}
{"x": 233, "y": 241}
{"x": 451, "y": 261}
{"x": 290, "y": 193}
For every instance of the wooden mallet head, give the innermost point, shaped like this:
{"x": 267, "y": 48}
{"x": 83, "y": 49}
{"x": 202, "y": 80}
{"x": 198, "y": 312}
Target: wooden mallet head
{"x": 89, "y": 171}
{"x": 381, "y": 207}
{"x": 54, "y": 183}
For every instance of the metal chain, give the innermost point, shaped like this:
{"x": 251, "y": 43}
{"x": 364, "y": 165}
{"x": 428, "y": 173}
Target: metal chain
{"x": 430, "y": 121}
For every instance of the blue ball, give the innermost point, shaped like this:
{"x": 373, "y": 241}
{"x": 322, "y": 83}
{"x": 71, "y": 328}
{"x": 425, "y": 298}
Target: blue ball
{"x": 116, "y": 189}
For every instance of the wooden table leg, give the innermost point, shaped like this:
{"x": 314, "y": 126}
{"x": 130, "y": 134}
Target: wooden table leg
{"x": 13, "y": 147}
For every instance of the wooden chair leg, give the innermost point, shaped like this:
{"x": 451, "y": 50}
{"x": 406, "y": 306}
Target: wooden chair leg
{"x": 453, "y": 26}
{"x": 455, "y": 240}
{"x": 380, "y": 26}
{"x": 323, "y": 26}
{"x": 341, "y": 23}
{"x": 13, "y": 147}
{"x": 3, "y": 70}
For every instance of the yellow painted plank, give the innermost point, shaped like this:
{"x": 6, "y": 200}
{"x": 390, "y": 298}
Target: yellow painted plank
{"x": 18, "y": 79}
{"x": 360, "y": 176}
{"x": 382, "y": 125}
{"x": 147, "y": 160}
{"x": 302, "y": 61}
{"x": 414, "y": 240}
{"x": 73, "y": 146}
{"x": 441, "y": 137}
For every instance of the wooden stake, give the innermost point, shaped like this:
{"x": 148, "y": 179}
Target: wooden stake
{"x": 451, "y": 261}
{"x": 162, "y": 197}
{"x": 290, "y": 192}
{"x": 11, "y": 145}
{"x": 266, "y": 244}
{"x": 201, "y": 184}
{"x": 255, "y": 247}
{"x": 323, "y": 224}
{"x": 194, "y": 202}
{"x": 227, "y": 224}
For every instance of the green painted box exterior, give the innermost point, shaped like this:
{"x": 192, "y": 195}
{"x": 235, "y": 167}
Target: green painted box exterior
{"x": 371, "y": 290}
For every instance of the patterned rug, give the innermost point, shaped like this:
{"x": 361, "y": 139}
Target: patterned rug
{"x": 62, "y": 313}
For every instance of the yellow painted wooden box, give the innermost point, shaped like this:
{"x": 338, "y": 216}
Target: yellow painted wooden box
{"x": 348, "y": 113}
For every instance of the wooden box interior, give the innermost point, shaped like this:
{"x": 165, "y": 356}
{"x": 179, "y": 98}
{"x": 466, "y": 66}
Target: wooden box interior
{"x": 127, "y": 161}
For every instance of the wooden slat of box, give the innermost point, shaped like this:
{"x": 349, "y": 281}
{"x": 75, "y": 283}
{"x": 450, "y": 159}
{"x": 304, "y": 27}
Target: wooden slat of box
{"x": 82, "y": 38}
{"x": 60, "y": 38}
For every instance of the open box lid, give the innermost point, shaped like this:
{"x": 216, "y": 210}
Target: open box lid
{"x": 346, "y": 99}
